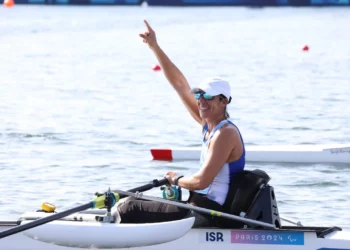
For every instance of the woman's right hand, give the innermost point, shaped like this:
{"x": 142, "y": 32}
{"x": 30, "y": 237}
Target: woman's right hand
{"x": 171, "y": 176}
{"x": 149, "y": 36}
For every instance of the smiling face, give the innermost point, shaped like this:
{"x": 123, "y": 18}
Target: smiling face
{"x": 210, "y": 107}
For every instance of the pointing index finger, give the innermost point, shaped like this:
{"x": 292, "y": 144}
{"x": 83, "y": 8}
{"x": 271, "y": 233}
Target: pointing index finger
{"x": 148, "y": 26}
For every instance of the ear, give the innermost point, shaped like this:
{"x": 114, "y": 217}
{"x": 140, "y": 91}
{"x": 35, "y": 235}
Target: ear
{"x": 224, "y": 101}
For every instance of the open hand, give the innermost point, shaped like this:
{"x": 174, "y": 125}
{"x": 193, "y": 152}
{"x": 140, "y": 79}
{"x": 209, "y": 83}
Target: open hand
{"x": 149, "y": 36}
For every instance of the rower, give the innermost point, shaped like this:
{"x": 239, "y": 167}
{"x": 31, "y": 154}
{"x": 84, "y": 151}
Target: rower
{"x": 249, "y": 196}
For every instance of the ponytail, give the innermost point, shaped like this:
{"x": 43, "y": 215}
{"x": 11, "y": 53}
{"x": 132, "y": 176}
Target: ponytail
{"x": 227, "y": 115}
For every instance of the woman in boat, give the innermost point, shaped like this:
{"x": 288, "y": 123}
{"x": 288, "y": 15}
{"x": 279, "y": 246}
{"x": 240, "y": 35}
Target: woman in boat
{"x": 223, "y": 152}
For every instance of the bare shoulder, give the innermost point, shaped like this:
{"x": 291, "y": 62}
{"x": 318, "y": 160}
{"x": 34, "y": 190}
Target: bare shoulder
{"x": 226, "y": 144}
{"x": 229, "y": 131}
{"x": 227, "y": 137}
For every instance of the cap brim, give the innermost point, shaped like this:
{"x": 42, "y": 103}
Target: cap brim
{"x": 194, "y": 90}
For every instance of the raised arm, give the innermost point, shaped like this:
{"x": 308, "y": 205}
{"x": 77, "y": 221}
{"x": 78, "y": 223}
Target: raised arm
{"x": 172, "y": 73}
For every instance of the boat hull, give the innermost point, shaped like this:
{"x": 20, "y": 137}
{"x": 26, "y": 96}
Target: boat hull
{"x": 103, "y": 235}
{"x": 288, "y": 153}
{"x": 209, "y": 238}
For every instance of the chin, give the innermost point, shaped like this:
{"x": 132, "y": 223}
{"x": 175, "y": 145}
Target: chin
{"x": 204, "y": 114}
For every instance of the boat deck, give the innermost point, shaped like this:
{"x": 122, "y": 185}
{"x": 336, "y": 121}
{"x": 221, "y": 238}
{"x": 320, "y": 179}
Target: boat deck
{"x": 321, "y": 232}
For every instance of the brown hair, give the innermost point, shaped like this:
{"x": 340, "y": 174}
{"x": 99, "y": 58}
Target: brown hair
{"x": 227, "y": 115}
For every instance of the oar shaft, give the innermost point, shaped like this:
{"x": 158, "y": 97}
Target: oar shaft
{"x": 153, "y": 184}
{"x": 149, "y": 186}
{"x": 44, "y": 220}
{"x": 197, "y": 209}
{"x": 291, "y": 221}
{"x": 38, "y": 222}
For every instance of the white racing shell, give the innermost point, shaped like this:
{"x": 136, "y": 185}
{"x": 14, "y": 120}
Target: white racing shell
{"x": 93, "y": 234}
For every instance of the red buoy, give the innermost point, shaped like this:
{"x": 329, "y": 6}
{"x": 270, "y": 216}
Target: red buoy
{"x": 306, "y": 48}
{"x": 156, "y": 67}
{"x": 9, "y": 3}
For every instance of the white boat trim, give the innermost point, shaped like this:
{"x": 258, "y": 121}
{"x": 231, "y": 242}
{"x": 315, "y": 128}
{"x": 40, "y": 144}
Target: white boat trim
{"x": 288, "y": 238}
{"x": 332, "y": 153}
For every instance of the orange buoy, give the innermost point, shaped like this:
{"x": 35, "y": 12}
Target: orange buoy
{"x": 9, "y": 3}
{"x": 156, "y": 67}
{"x": 306, "y": 48}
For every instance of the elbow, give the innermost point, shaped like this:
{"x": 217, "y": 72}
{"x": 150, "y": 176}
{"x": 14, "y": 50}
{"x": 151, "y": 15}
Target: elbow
{"x": 202, "y": 184}
{"x": 198, "y": 182}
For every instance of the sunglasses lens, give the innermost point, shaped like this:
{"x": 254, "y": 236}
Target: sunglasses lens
{"x": 197, "y": 95}
{"x": 207, "y": 97}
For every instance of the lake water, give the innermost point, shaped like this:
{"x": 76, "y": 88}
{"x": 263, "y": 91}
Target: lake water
{"x": 80, "y": 106}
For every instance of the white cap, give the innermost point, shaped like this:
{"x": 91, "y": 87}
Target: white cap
{"x": 214, "y": 86}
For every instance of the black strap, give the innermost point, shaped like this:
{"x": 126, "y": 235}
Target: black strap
{"x": 177, "y": 180}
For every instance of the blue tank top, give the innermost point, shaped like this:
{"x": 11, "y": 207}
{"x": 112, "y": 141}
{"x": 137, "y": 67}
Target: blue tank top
{"x": 218, "y": 189}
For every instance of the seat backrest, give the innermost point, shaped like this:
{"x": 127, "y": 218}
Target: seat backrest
{"x": 243, "y": 189}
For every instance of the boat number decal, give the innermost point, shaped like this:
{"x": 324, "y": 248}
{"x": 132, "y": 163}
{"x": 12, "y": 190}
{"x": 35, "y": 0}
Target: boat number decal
{"x": 268, "y": 237}
{"x": 253, "y": 237}
{"x": 214, "y": 237}
{"x": 340, "y": 150}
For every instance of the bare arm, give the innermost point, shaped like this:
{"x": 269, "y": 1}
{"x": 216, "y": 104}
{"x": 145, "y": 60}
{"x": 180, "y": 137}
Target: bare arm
{"x": 172, "y": 73}
{"x": 221, "y": 147}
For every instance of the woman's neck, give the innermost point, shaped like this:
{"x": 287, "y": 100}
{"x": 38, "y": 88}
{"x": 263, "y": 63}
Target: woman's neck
{"x": 214, "y": 122}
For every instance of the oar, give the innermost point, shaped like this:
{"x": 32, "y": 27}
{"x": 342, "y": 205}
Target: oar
{"x": 152, "y": 184}
{"x": 291, "y": 221}
{"x": 197, "y": 209}
{"x": 91, "y": 204}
